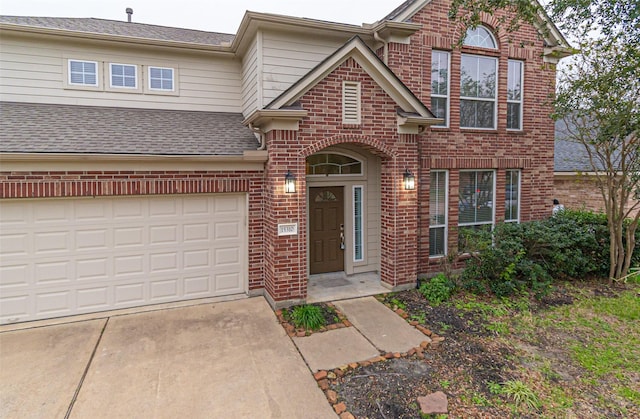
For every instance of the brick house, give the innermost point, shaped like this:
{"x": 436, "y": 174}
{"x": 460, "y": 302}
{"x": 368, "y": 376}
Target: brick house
{"x": 574, "y": 181}
{"x": 145, "y": 164}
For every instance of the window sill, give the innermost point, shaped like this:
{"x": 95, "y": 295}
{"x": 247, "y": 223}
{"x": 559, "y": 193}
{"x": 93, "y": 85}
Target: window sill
{"x": 478, "y": 130}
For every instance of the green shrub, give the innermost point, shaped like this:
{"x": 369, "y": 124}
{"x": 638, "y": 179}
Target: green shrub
{"x": 437, "y": 290}
{"x": 307, "y": 316}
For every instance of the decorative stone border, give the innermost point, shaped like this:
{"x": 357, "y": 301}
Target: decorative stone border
{"x": 301, "y": 332}
{"x": 325, "y": 377}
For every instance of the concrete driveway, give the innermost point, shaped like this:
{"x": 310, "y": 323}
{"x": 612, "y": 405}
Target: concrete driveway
{"x": 229, "y": 359}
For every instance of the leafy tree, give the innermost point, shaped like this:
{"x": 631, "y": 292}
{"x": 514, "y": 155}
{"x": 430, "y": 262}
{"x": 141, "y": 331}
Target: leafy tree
{"x": 598, "y": 96}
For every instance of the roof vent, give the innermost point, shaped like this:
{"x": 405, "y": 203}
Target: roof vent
{"x": 129, "y": 13}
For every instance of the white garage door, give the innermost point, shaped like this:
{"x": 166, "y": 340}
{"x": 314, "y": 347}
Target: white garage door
{"x": 60, "y": 257}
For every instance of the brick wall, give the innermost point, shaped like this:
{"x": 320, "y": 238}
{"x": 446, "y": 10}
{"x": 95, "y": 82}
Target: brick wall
{"x": 453, "y": 149}
{"x": 51, "y": 184}
{"x": 581, "y": 192}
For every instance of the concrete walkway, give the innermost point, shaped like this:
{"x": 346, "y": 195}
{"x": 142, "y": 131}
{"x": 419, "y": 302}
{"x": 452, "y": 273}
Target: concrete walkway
{"x": 377, "y": 330}
{"x": 228, "y": 359}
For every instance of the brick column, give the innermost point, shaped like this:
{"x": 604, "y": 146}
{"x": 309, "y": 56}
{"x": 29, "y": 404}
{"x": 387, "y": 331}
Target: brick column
{"x": 285, "y": 264}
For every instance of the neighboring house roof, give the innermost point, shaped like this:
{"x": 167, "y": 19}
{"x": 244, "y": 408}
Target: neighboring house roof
{"x": 121, "y": 28}
{"x": 570, "y": 156}
{"x": 45, "y": 128}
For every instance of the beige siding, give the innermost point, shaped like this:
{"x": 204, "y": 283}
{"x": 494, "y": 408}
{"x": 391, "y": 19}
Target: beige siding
{"x": 250, "y": 74}
{"x": 33, "y": 70}
{"x": 287, "y": 57}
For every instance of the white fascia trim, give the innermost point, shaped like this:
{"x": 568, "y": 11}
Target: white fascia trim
{"x": 411, "y": 10}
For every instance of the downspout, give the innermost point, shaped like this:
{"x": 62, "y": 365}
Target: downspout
{"x": 385, "y": 48}
{"x": 263, "y": 142}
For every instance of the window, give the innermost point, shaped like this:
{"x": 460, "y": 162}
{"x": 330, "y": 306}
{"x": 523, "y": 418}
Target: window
{"x": 440, "y": 85}
{"x": 124, "y": 75}
{"x": 350, "y": 102}
{"x": 333, "y": 164}
{"x": 161, "y": 78}
{"x": 478, "y": 92}
{"x": 438, "y": 214}
{"x": 514, "y": 95}
{"x": 479, "y": 37}
{"x": 512, "y": 197}
{"x": 358, "y": 254}
{"x": 83, "y": 73}
{"x": 475, "y": 204}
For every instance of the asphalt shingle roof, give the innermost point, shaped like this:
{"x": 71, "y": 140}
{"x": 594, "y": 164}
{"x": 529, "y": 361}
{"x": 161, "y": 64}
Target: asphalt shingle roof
{"x": 121, "y": 28}
{"x": 569, "y": 156}
{"x": 44, "y": 128}
{"x": 398, "y": 10}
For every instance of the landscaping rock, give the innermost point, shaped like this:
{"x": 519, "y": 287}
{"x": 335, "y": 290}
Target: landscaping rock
{"x": 434, "y": 403}
{"x": 320, "y": 375}
{"x": 340, "y": 407}
{"x": 332, "y": 396}
{"x": 346, "y": 415}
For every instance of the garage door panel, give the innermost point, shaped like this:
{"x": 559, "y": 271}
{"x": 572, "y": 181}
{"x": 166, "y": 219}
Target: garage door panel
{"x": 128, "y": 236}
{"x": 73, "y": 256}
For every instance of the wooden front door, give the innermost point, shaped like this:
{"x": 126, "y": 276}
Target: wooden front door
{"x": 326, "y": 229}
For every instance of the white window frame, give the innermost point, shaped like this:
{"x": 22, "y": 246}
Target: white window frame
{"x": 97, "y": 73}
{"x": 347, "y": 117}
{"x": 507, "y": 182}
{"x": 447, "y": 97}
{"x": 479, "y": 99}
{"x": 362, "y": 222}
{"x": 325, "y": 175}
{"x": 112, "y": 86}
{"x": 492, "y": 222}
{"x": 488, "y": 31}
{"x": 173, "y": 79}
{"x": 521, "y": 100}
{"x": 446, "y": 214}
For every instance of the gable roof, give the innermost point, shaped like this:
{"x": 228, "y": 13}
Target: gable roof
{"x": 355, "y": 48}
{"x": 121, "y": 28}
{"x": 45, "y": 128}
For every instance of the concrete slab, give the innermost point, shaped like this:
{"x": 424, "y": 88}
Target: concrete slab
{"x": 340, "y": 286}
{"x": 40, "y": 369}
{"x": 385, "y": 329}
{"x": 334, "y": 348}
{"x": 229, "y": 359}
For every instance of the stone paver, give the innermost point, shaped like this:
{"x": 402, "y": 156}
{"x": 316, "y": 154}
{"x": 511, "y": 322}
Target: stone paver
{"x": 385, "y": 329}
{"x": 40, "y": 369}
{"x": 334, "y": 348}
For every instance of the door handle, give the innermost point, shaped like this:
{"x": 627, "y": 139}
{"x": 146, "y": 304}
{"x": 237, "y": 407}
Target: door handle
{"x": 341, "y": 241}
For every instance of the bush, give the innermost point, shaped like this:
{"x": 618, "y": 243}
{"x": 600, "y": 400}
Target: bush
{"x": 307, "y": 316}
{"x": 437, "y": 290}
{"x": 528, "y": 256}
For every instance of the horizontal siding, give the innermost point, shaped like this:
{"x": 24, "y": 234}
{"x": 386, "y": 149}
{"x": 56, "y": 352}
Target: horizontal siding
{"x": 33, "y": 71}
{"x": 250, "y": 79}
{"x": 286, "y": 58}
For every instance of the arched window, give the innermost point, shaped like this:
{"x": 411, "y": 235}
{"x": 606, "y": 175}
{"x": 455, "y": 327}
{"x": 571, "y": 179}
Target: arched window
{"x": 480, "y": 37}
{"x": 333, "y": 164}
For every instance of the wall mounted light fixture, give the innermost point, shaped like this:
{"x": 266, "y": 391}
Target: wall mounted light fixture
{"x": 409, "y": 180}
{"x": 289, "y": 182}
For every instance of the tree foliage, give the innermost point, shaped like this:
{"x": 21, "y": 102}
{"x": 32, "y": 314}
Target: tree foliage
{"x": 598, "y": 96}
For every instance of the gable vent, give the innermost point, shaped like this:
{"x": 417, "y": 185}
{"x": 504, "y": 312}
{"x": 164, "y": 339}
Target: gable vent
{"x": 351, "y": 102}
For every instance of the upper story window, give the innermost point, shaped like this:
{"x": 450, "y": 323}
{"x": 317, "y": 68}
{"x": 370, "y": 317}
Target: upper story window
{"x": 480, "y": 37}
{"x": 161, "y": 78}
{"x": 478, "y": 91}
{"x": 440, "y": 85}
{"x": 514, "y": 95}
{"x": 83, "y": 73}
{"x": 123, "y": 75}
{"x": 333, "y": 164}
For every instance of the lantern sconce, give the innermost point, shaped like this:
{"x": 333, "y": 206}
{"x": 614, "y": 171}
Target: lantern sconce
{"x": 409, "y": 180}
{"x": 289, "y": 182}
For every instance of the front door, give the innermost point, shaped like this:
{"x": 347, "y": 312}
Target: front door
{"x": 326, "y": 229}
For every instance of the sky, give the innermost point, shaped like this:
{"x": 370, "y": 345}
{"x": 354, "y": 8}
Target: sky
{"x": 212, "y": 15}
